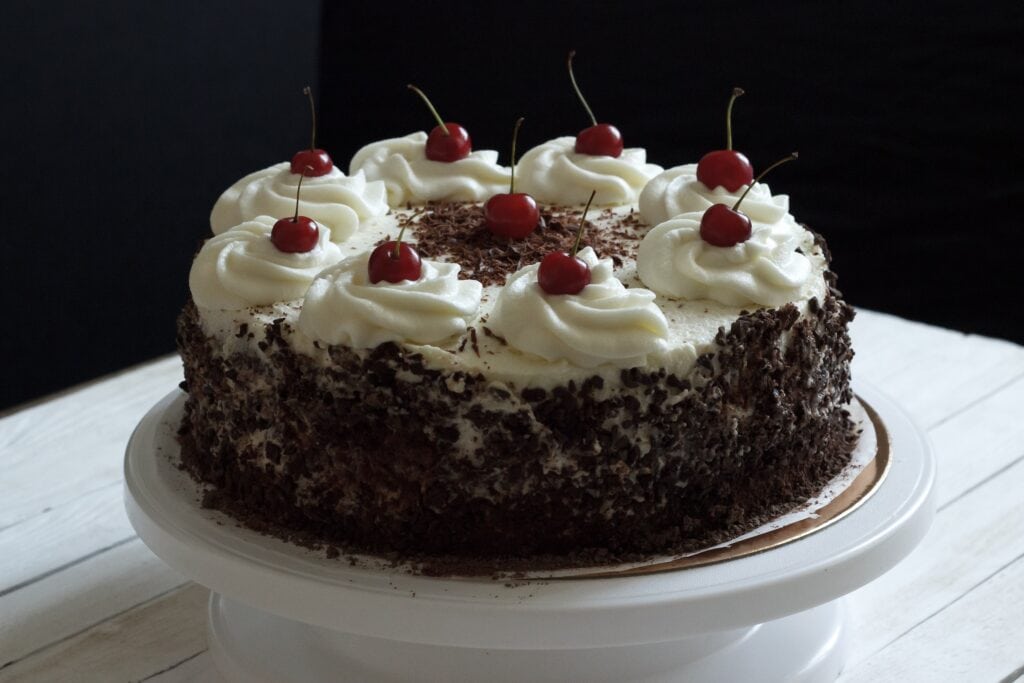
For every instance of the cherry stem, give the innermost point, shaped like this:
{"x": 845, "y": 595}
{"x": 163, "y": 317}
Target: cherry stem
{"x": 515, "y": 135}
{"x": 583, "y": 222}
{"x": 572, "y": 53}
{"x": 397, "y": 253}
{"x": 763, "y": 173}
{"x": 295, "y": 218}
{"x": 308, "y": 92}
{"x": 433, "y": 111}
{"x": 736, "y": 92}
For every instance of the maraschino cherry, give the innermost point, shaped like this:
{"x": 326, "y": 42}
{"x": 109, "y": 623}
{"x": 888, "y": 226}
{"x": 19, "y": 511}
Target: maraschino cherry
{"x": 312, "y": 162}
{"x": 514, "y": 215}
{"x": 447, "y": 141}
{"x": 564, "y": 272}
{"x": 726, "y": 167}
{"x": 724, "y": 227}
{"x": 394, "y": 261}
{"x": 298, "y": 234}
{"x": 600, "y": 139}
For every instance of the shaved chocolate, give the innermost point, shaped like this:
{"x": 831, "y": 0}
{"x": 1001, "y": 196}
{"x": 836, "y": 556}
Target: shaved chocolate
{"x": 497, "y": 337}
{"x": 457, "y": 233}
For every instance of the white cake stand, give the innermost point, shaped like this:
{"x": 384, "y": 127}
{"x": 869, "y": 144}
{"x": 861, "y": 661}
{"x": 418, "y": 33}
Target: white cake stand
{"x": 282, "y": 613}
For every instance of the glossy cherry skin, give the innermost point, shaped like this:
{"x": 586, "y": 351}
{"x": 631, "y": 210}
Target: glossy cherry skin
{"x": 561, "y": 273}
{"x": 723, "y": 227}
{"x": 725, "y": 167}
{"x": 384, "y": 266}
{"x": 511, "y": 215}
{"x": 602, "y": 139}
{"x": 295, "y": 235}
{"x": 452, "y": 147}
{"x": 312, "y": 163}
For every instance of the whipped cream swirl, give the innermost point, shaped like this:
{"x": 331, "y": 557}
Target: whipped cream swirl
{"x": 241, "y": 267}
{"x": 677, "y": 191}
{"x": 411, "y": 177}
{"x": 604, "y": 323}
{"x": 342, "y": 306}
{"x": 333, "y": 200}
{"x": 766, "y": 270}
{"x": 555, "y": 173}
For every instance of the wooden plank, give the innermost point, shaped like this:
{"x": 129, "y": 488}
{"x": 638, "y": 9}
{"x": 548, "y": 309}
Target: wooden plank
{"x": 933, "y": 373}
{"x": 884, "y": 344}
{"x": 948, "y": 383}
{"x": 82, "y": 436}
{"x": 32, "y": 403}
{"x": 139, "y": 643}
{"x": 979, "y": 442}
{"x": 198, "y": 668}
{"x": 979, "y": 637}
{"x": 62, "y": 535}
{"x": 70, "y": 601}
{"x": 972, "y": 539}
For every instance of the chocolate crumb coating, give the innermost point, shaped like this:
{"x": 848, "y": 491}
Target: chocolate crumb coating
{"x": 369, "y": 453}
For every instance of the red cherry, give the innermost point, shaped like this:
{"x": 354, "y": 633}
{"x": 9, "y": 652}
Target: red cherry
{"x": 511, "y": 215}
{"x": 298, "y": 234}
{"x": 561, "y": 273}
{"x": 725, "y": 167}
{"x": 514, "y": 215}
{"x": 602, "y": 139}
{"x": 447, "y": 141}
{"x": 722, "y": 226}
{"x": 448, "y": 146}
{"x": 564, "y": 272}
{"x": 394, "y": 261}
{"x": 312, "y": 162}
{"x": 295, "y": 235}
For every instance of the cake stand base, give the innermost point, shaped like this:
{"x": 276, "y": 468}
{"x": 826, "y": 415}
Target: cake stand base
{"x": 252, "y": 646}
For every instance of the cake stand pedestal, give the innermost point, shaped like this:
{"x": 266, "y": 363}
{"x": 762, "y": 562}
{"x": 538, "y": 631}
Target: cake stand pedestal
{"x": 282, "y": 613}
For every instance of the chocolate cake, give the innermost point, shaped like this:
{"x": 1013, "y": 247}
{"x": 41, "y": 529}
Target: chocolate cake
{"x": 684, "y": 395}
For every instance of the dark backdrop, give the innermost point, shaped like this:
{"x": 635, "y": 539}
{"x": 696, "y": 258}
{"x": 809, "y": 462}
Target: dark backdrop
{"x": 123, "y": 123}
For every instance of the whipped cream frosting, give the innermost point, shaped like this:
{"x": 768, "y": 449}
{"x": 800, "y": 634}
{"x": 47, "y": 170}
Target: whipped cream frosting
{"x": 677, "y": 191}
{"x": 555, "y": 173}
{"x": 334, "y": 200}
{"x": 766, "y": 270}
{"x": 402, "y": 164}
{"x": 342, "y": 306}
{"x": 606, "y": 323}
{"x": 241, "y": 267}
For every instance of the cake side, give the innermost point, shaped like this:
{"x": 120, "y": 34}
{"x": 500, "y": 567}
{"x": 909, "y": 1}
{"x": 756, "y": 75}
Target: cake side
{"x": 381, "y": 452}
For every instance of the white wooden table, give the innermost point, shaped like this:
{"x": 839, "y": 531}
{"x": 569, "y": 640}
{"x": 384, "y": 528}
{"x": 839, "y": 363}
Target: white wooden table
{"x": 82, "y": 599}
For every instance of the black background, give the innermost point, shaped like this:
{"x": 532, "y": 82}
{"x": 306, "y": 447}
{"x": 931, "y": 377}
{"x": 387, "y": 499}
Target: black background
{"x": 123, "y": 122}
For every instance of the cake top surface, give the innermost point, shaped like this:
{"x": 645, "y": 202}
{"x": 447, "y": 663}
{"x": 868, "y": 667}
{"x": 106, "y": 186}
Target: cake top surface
{"x": 658, "y": 292}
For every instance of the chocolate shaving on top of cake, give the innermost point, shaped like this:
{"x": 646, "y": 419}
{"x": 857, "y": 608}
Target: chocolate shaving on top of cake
{"x": 457, "y": 233}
